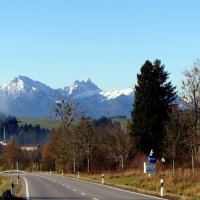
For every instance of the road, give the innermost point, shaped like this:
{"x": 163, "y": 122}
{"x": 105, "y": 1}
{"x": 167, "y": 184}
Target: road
{"x": 54, "y": 187}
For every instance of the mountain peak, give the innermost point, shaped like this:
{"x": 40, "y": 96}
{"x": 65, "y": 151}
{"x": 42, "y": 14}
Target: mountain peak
{"x": 82, "y": 89}
{"x": 23, "y": 84}
{"x": 88, "y": 80}
{"x": 13, "y": 86}
{"x": 116, "y": 93}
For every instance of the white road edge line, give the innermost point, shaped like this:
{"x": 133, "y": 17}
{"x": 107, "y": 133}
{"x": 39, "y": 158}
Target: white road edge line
{"x": 119, "y": 189}
{"x": 27, "y": 190}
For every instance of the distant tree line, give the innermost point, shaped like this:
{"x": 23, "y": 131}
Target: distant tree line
{"x": 25, "y": 134}
{"x": 98, "y": 144}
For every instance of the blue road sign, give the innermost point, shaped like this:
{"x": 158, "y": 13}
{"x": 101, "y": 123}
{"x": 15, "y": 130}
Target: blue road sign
{"x": 151, "y": 168}
{"x": 151, "y": 159}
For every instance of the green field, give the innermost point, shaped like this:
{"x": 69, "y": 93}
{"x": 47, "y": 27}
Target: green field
{"x": 44, "y": 123}
{"x": 50, "y": 124}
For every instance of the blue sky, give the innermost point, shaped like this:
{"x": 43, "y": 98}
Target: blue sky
{"x": 59, "y": 41}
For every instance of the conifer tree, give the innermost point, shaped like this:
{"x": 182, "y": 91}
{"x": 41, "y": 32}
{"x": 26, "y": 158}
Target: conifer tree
{"x": 151, "y": 107}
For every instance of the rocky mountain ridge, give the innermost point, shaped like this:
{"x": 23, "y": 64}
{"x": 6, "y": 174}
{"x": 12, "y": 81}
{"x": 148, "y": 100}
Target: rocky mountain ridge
{"x": 24, "y": 97}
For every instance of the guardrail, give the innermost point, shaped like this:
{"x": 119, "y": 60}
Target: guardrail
{"x": 13, "y": 171}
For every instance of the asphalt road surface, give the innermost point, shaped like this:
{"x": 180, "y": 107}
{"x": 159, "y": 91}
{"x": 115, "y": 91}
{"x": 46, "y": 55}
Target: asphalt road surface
{"x": 53, "y": 187}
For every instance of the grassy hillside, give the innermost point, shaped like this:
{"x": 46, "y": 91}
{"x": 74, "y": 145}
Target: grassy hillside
{"x": 50, "y": 124}
{"x": 44, "y": 123}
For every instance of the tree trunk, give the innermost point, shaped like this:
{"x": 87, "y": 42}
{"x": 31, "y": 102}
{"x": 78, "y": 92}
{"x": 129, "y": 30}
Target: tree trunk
{"x": 88, "y": 159}
{"x": 74, "y": 162}
{"x": 122, "y": 162}
{"x": 192, "y": 161}
{"x": 173, "y": 163}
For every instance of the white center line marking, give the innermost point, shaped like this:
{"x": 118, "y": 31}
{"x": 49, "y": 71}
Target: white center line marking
{"x": 83, "y": 194}
{"x": 94, "y": 199}
{"x": 27, "y": 191}
{"x": 74, "y": 190}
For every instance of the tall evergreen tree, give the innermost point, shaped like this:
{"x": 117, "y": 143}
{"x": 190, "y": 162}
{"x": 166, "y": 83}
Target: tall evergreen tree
{"x": 151, "y": 107}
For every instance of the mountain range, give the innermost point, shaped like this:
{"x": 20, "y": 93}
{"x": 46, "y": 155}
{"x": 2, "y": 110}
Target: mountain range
{"x": 24, "y": 97}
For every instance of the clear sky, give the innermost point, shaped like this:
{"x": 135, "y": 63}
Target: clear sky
{"x": 59, "y": 41}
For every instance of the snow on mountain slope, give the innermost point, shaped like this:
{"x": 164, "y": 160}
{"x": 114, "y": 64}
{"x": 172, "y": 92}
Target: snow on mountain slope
{"x": 24, "y": 85}
{"x": 24, "y": 97}
{"x": 116, "y": 93}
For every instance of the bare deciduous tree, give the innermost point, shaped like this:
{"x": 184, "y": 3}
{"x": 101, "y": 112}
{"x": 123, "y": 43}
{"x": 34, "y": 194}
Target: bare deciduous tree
{"x": 66, "y": 112}
{"x": 191, "y": 94}
{"x": 120, "y": 145}
{"x": 86, "y": 138}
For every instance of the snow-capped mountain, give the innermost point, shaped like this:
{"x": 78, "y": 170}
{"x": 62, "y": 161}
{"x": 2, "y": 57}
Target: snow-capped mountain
{"x": 117, "y": 93}
{"x": 25, "y": 97}
{"x": 80, "y": 89}
{"x": 23, "y": 85}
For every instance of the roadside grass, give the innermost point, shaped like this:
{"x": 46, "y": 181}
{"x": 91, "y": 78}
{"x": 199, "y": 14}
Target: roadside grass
{"x": 5, "y": 184}
{"x": 17, "y": 190}
{"x": 183, "y": 186}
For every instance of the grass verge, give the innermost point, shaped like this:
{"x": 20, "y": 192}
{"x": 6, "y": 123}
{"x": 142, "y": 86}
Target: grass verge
{"x": 5, "y": 184}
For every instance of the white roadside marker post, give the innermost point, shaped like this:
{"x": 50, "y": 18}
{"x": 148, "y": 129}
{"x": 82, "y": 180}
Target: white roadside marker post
{"x": 62, "y": 172}
{"x": 102, "y": 178}
{"x": 161, "y": 187}
{"x": 12, "y": 185}
{"x": 145, "y": 168}
{"x": 17, "y": 178}
{"x": 78, "y": 175}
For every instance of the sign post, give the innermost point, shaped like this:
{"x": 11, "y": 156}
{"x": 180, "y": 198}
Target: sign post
{"x": 145, "y": 167}
{"x": 151, "y": 164}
